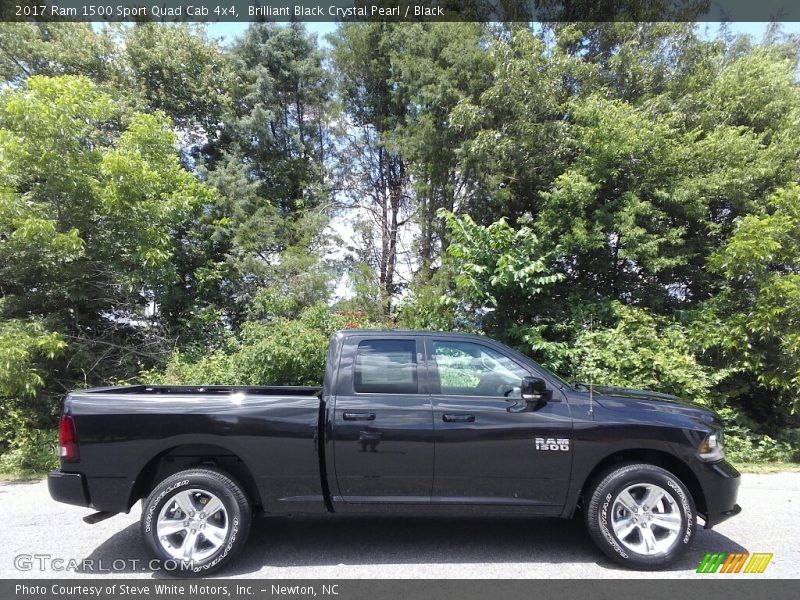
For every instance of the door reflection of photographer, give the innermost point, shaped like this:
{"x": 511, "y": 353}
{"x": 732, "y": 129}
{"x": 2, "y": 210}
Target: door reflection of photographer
{"x": 369, "y": 439}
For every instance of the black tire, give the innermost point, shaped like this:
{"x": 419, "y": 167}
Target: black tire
{"x": 605, "y": 507}
{"x": 202, "y": 485}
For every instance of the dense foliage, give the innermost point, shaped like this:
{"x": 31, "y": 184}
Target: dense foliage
{"x": 289, "y": 351}
{"x": 617, "y": 200}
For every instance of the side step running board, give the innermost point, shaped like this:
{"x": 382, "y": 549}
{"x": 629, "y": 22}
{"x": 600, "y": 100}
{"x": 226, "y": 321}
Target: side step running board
{"x": 98, "y": 516}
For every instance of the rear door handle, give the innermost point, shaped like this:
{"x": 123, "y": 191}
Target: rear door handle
{"x": 358, "y": 416}
{"x": 458, "y": 418}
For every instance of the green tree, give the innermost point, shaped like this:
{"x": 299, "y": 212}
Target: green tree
{"x": 173, "y": 68}
{"x": 441, "y": 65}
{"x": 635, "y": 149}
{"x": 754, "y": 322}
{"x": 182, "y": 73}
{"x": 375, "y": 176}
{"x": 85, "y": 245}
{"x": 271, "y": 212}
{"x": 502, "y": 281}
{"x": 641, "y": 351}
{"x": 260, "y": 355}
{"x": 277, "y": 122}
{"x": 28, "y": 49}
{"x": 516, "y": 132}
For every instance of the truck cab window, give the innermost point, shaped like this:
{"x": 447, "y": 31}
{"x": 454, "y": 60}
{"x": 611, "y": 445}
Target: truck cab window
{"x": 467, "y": 369}
{"x": 386, "y": 367}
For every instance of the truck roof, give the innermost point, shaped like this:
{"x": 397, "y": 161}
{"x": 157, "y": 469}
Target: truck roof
{"x": 382, "y": 332}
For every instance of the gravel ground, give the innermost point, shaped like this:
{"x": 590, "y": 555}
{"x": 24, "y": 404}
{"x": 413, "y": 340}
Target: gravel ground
{"x": 369, "y": 547}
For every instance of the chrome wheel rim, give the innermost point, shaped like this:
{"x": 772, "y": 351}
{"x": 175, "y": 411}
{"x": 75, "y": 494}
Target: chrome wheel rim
{"x": 192, "y": 525}
{"x": 646, "y": 519}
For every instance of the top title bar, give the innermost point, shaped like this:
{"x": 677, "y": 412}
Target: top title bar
{"x": 209, "y": 11}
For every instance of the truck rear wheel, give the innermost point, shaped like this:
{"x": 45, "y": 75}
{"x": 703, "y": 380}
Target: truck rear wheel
{"x": 196, "y": 521}
{"x": 641, "y": 516}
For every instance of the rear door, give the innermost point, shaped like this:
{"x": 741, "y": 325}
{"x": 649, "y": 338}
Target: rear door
{"x": 383, "y": 422}
{"x": 493, "y": 447}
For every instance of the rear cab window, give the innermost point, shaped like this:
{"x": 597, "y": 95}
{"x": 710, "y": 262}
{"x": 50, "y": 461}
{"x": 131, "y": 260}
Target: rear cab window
{"x": 386, "y": 367}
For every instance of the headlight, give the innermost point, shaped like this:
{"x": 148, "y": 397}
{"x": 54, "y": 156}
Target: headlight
{"x": 711, "y": 448}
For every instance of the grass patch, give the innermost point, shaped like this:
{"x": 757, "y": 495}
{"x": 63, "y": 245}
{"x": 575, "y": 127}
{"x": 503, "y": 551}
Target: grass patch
{"x": 28, "y": 476}
{"x": 770, "y": 467}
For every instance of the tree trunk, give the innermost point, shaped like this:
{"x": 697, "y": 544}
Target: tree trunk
{"x": 395, "y": 196}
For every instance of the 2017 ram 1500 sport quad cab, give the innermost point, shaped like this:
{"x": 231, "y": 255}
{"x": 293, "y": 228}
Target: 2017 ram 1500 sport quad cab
{"x": 405, "y": 422}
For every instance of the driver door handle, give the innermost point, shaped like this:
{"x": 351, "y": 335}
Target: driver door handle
{"x": 458, "y": 418}
{"x": 358, "y": 416}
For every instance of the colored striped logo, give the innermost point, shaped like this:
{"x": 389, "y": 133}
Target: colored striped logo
{"x": 740, "y": 562}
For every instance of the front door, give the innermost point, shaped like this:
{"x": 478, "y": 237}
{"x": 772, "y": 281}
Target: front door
{"x": 493, "y": 447}
{"x": 383, "y": 426}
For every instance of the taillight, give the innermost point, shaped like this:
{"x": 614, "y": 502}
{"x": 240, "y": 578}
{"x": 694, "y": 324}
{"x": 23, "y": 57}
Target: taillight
{"x": 68, "y": 439}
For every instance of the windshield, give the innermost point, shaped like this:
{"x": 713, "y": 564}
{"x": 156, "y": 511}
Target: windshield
{"x": 563, "y": 381}
{"x": 527, "y": 358}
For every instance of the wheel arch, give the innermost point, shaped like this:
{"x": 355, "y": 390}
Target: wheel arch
{"x": 658, "y": 458}
{"x": 186, "y": 456}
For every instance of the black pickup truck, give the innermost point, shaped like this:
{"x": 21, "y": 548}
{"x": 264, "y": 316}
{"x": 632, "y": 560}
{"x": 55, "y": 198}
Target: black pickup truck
{"x": 405, "y": 422}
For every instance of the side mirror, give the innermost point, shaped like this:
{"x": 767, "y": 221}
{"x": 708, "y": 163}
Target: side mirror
{"x": 534, "y": 388}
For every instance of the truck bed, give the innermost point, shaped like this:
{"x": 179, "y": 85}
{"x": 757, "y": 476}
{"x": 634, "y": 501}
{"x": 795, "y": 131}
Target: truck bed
{"x": 270, "y": 430}
{"x": 208, "y": 390}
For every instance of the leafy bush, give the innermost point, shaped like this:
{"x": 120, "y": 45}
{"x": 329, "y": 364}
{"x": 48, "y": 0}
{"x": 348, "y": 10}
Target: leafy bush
{"x": 742, "y": 445}
{"x": 288, "y": 352}
{"x": 502, "y": 277}
{"x": 24, "y": 346}
{"x": 25, "y": 349}
{"x": 641, "y": 351}
{"x": 745, "y": 441}
{"x": 754, "y": 322}
{"x": 428, "y": 305}
{"x": 30, "y": 452}
{"x": 279, "y": 352}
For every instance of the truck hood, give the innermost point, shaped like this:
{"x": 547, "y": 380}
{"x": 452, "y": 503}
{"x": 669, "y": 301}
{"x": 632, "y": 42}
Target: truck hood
{"x": 617, "y": 397}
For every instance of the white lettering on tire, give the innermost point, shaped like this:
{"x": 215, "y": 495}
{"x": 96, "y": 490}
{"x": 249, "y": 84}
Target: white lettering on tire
{"x": 603, "y": 519}
{"x": 219, "y": 557}
{"x": 686, "y": 509}
{"x": 148, "y": 522}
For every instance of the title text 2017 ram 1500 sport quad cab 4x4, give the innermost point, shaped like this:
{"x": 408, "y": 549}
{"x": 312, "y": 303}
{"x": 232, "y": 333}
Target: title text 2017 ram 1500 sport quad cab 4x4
{"x": 405, "y": 422}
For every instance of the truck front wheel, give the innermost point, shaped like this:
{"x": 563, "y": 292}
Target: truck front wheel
{"x": 196, "y": 520}
{"x": 641, "y": 516}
